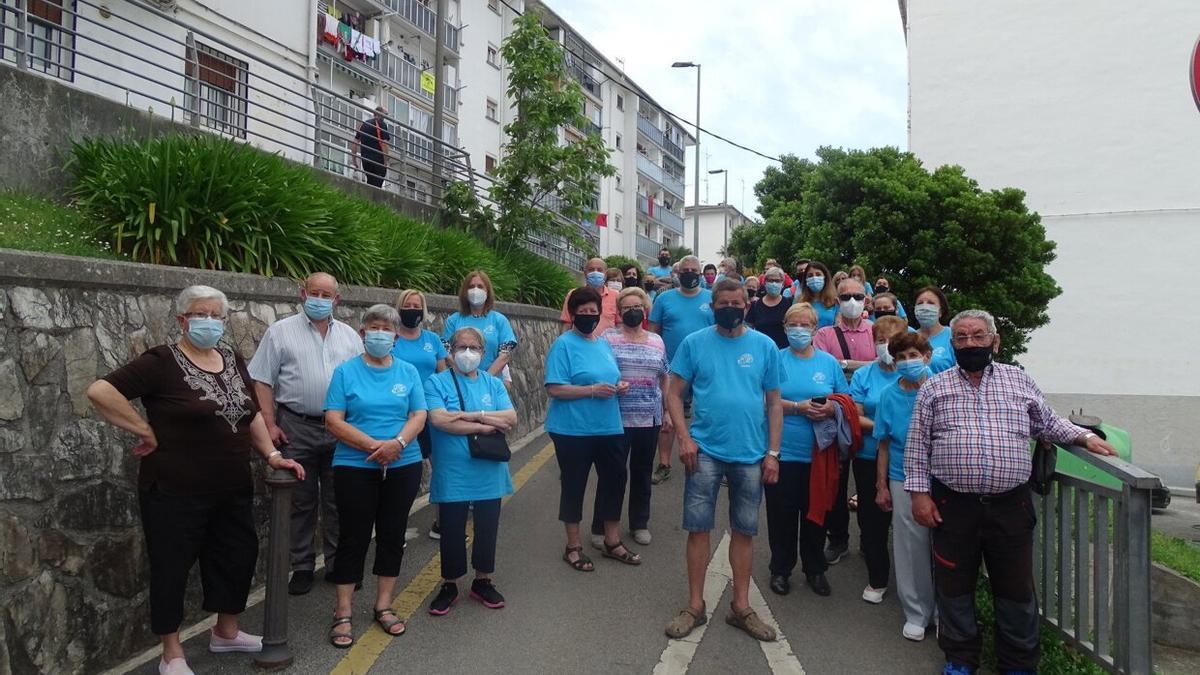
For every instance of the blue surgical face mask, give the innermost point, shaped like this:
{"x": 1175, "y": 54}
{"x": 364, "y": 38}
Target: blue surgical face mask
{"x": 318, "y": 309}
{"x": 378, "y": 343}
{"x": 912, "y": 369}
{"x": 205, "y": 333}
{"x": 774, "y": 287}
{"x": 595, "y": 279}
{"x": 927, "y": 314}
{"x": 799, "y": 338}
{"x": 815, "y": 284}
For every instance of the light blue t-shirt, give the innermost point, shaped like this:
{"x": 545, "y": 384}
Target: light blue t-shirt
{"x": 826, "y": 316}
{"x": 681, "y": 315}
{"x": 457, "y": 476}
{"x": 818, "y": 375}
{"x": 892, "y": 417}
{"x": 574, "y": 359}
{"x": 943, "y": 352}
{"x": 660, "y": 272}
{"x": 495, "y": 328}
{"x": 424, "y": 352}
{"x": 376, "y": 401}
{"x": 729, "y": 378}
{"x": 866, "y": 385}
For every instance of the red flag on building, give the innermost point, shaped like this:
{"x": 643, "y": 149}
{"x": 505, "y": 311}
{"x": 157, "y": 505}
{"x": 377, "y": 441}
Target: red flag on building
{"x": 601, "y": 220}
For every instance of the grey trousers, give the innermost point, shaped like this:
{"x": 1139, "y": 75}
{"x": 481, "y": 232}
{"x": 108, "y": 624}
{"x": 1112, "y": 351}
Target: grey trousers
{"x": 914, "y": 567}
{"x": 311, "y": 445}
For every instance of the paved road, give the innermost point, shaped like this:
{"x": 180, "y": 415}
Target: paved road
{"x": 559, "y": 620}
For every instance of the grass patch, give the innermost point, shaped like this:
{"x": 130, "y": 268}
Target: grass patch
{"x": 1178, "y": 554}
{"x": 1057, "y": 657}
{"x": 29, "y": 223}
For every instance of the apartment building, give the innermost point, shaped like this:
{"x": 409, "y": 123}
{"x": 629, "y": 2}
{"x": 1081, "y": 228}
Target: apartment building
{"x": 717, "y": 222}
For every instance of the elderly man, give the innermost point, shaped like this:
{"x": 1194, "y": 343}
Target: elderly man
{"x": 595, "y": 273}
{"x": 967, "y": 466}
{"x": 734, "y": 373}
{"x": 291, "y": 371}
{"x": 371, "y": 144}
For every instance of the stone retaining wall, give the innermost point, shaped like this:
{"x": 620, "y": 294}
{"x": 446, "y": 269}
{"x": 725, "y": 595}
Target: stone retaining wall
{"x": 73, "y": 575}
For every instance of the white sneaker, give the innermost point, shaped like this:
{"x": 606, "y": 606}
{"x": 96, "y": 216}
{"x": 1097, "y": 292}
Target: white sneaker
{"x": 642, "y": 537}
{"x": 598, "y": 542}
{"x": 913, "y": 632}
{"x": 176, "y": 666}
{"x": 244, "y": 642}
{"x": 873, "y": 595}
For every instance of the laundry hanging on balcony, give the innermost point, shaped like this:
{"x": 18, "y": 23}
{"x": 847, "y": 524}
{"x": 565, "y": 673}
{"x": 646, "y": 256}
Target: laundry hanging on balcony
{"x": 329, "y": 29}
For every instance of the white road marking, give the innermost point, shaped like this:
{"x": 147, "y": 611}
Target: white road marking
{"x": 780, "y": 657}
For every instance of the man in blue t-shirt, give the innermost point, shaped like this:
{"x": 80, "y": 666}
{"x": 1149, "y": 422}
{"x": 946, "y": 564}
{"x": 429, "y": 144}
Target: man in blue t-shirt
{"x": 662, "y": 272}
{"x": 733, "y": 373}
{"x": 677, "y": 313}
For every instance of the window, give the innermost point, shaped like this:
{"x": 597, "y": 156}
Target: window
{"x": 620, "y": 102}
{"x": 489, "y": 165}
{"x": 617, "y": 222}
{"x": 493, "y": 110}
{"x": 493, "y": 56}
{"x": 50, "y": 41}
{"x": 217, "y": 86}
{"x": 336, "y": 124}
{"x": 494, "y": 5}
{"x": 617, "y": 142}
{"x": 617, "y": 182}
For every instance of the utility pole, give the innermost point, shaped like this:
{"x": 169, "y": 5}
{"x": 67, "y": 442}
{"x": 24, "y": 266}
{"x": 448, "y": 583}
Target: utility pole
{"x": 439, "y": 99}
{"x": 696, "y": 205}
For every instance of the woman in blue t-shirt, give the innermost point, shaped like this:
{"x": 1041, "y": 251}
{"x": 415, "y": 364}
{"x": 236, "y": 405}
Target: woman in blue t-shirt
{"x": 808, "y": 376}
{"x": 475, "y": 301}
{"x": 910, "y": 540}
{"x": 932, "y": 312}
{"x": 374, "y": 407}
{"x": 465, "y": 401}
{"x": 584, "y": 421}
{"x": 819, "y": 291}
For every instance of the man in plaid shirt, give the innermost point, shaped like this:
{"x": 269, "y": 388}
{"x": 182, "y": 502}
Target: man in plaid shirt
{"x": 967, "y": 465}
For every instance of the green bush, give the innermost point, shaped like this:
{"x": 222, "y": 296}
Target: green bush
{"x": 621, "y": 262}
{"x": 541, "y": 281}
{"x": 1057, "y": 657}
{"x": 1180, "y": 555}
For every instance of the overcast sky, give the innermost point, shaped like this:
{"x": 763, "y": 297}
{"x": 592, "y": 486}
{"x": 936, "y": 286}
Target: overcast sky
{"x": 778, "y": 75}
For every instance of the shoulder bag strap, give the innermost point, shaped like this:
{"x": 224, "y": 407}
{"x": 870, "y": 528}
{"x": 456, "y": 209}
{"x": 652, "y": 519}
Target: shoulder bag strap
{"x": 462, "y": 401}
{"x": 842, "y": 341}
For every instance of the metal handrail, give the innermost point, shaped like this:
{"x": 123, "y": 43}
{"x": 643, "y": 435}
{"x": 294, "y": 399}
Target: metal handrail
{"x": 1093, "y": 585}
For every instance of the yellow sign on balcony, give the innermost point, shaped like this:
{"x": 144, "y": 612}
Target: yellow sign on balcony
{"x": 428, "y": 82}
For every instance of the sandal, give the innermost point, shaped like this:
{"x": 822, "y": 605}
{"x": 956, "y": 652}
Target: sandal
{"x": 381, "y": 618}
{"x": 340, "y": 640}
{"x": 628, "y": 557}
{"x": 582, "y": 563}
{"x": 687, "y": 621}
{"x": 852, "y": 502}
{"x": 748, "y": 621}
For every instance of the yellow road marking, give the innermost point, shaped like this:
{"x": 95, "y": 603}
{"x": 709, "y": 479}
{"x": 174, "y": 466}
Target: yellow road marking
{"x": 365, "y": 652}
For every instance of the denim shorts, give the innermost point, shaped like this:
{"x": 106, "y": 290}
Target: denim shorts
{"x": 702, "y": 487}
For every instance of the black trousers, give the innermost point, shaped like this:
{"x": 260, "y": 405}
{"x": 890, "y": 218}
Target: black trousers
{"x": 643, "y": 446}
{"x": 837, "y": 523}
{"x": 873, "y": 524}
{"x": 452, "y": 517}
{"x": 367, "y": 500}
{"x": 997, "y": 530}
{"x": 576, "y": 455}
{"x": 374, "y": 168}
{"x": 217, "y": 530}
{"x": 788, "y": 531}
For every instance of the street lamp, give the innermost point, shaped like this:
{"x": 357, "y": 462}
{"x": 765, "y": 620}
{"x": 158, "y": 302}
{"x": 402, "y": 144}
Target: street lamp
{"x": 724, "y": 205}
{"x": 696, "y": 200}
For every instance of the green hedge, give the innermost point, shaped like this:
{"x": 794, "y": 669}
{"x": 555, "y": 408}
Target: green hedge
{"x": 203, "y": 201}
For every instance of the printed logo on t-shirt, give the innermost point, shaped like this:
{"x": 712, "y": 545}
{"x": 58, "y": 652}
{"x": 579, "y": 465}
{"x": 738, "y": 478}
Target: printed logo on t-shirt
{"x": 704, "y": 307}
{"x": 489, "y": 330}
{"x": 746, "y": 360}
{"x": 399, "y": 389}
{"x": 486, "y": 400}
{"x": 938, "y": 351}
{"x": 819, "y": 378}
{"x": 428, "y": 347}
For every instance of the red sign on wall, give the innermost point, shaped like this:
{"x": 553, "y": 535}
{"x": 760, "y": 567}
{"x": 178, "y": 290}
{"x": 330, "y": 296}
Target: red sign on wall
{"x": 1195, "y": 74}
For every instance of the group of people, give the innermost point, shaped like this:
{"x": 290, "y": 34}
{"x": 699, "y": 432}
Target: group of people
{"x": 776, "y": 386}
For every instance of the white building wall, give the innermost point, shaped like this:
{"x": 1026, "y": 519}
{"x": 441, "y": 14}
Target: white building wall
{"x": 712, "y": 231}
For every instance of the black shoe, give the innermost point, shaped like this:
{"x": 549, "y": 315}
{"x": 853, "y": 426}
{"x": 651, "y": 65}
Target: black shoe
{"x": 483, "y": 591}
{"x": 301, "y": 583}
{"x": 819, "y": 584}
{"x": 835, "y": 552}
{"x": 780, "y": 584}
{"x": 445, "y": 599}
{"x": 435, "y": 531}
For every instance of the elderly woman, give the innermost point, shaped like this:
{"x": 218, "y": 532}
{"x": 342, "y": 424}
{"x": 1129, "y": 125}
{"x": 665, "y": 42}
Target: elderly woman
{"x": 584, "y": 421}
{"x": 614, "y": 279}
{"x": 807, "y": 377}
{"x": 642, "y": 359}
{"x": 194, "y": 484}
{"x": 375, "y": 406}
{"x": 465, "y": 401}
{"x": 932, "y": 312}
{"x": 766, "y": 315}
{"x": 475, "y": 302}
{"x": 820, "y": 292}
{"x": 753, "y": 289}
{"x": 865, "y": 388}
{"x": 910, "y": 540}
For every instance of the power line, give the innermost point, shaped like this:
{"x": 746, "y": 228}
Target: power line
{"x": 680, "y": 118}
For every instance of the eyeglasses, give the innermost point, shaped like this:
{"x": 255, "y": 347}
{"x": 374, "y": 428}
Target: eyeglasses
{"x": 629, "y": 308}
{"x": 846, "y": 297}
{"x": 203, "y": 315}
{"x": 979, "y": 339}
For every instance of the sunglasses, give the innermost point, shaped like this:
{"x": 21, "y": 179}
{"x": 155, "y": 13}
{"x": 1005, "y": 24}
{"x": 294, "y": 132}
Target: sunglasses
{"x": 846, "y": 297}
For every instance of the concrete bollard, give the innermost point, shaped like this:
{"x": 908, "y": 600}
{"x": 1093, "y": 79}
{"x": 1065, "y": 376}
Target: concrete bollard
{"x": 275, "y": 654}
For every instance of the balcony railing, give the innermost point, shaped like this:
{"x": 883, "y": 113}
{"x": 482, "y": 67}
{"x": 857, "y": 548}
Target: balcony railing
{"x": 396, "y": 70}
{"x": 585, "y": 79}
{"x": 425, "y": 19}
{"x": 672, "y": 149}
{"x": 673, "y": 185}
{"x": 651, "y": 170}
{"x": 660, "y": 214}
{"x": 650, "y": 131}
{"x": 647, "y": 247}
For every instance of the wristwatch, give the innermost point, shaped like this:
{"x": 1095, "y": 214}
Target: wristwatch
{"x": 773, "y": 453}
{"x": 1088, "y": 436}
{"x": 400, "y": 439}
{"x": 843, "y": 363}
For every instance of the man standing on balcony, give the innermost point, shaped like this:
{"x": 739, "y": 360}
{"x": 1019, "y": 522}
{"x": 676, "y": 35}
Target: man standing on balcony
{"x": 291, "y": 369}
{"x": 967, "y": 466}
{"x": 662, "y": 273}
{"x": 371, "y": 144}
{"x": 594, "y": 274}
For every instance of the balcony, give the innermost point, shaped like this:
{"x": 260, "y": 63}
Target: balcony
{"x": 647, "y": 247}
{"x": 672, "y": 149}
{"x": 585, "y": 79}
{"x": 647, "y": 128}
{"x": 425, "y": 19}
{"x": 393, "y": 69}
{"x": 660, "y": 214}
{"x": 649, "y": 169}
{"x": 673, "y": 185}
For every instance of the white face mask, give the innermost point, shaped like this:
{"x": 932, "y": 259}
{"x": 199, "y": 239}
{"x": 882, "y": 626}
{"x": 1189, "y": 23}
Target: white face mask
{"x": 467, "y": 360}
{"x": 615, "y": 285}
{"x": 881, "y": 350}
{"x": 853, "y": 309}
{"x": 476, "y": 296}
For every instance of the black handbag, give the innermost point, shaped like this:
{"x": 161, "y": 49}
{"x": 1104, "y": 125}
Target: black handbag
{"x": 492, "y": 447}
{"x": 1045, "y": 461}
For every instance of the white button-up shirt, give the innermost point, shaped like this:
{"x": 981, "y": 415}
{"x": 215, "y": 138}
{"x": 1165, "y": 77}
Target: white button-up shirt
{"x": 298, "y": 363}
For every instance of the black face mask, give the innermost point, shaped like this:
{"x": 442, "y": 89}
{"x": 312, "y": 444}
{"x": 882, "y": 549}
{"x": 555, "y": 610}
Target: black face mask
{"x": 633, "y": 317}
{"x": 650, "y": 285}
{"x": 663, "y": 260}
{"x": 411, "y": 318}
{"x": 973, "y": 359}
{"x": 689, "y": 279}
{"x": 729, "y": 318}
{"x": 630, "y": 282}
{"x": 885, "y": 312}
{"x": 882, "y": 289}
{"x": 586, "y": 323}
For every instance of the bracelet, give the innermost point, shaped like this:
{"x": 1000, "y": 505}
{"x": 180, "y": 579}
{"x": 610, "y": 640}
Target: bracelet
{"x": 591, "y": 391}
{"x": 271, "y": 455}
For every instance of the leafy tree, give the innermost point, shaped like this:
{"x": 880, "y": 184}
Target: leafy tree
{"x": 678, "y": 252}
{"x": 883, "y": 210}
{"x": 539, "y": 177}
{"x": 621, "y": 262}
